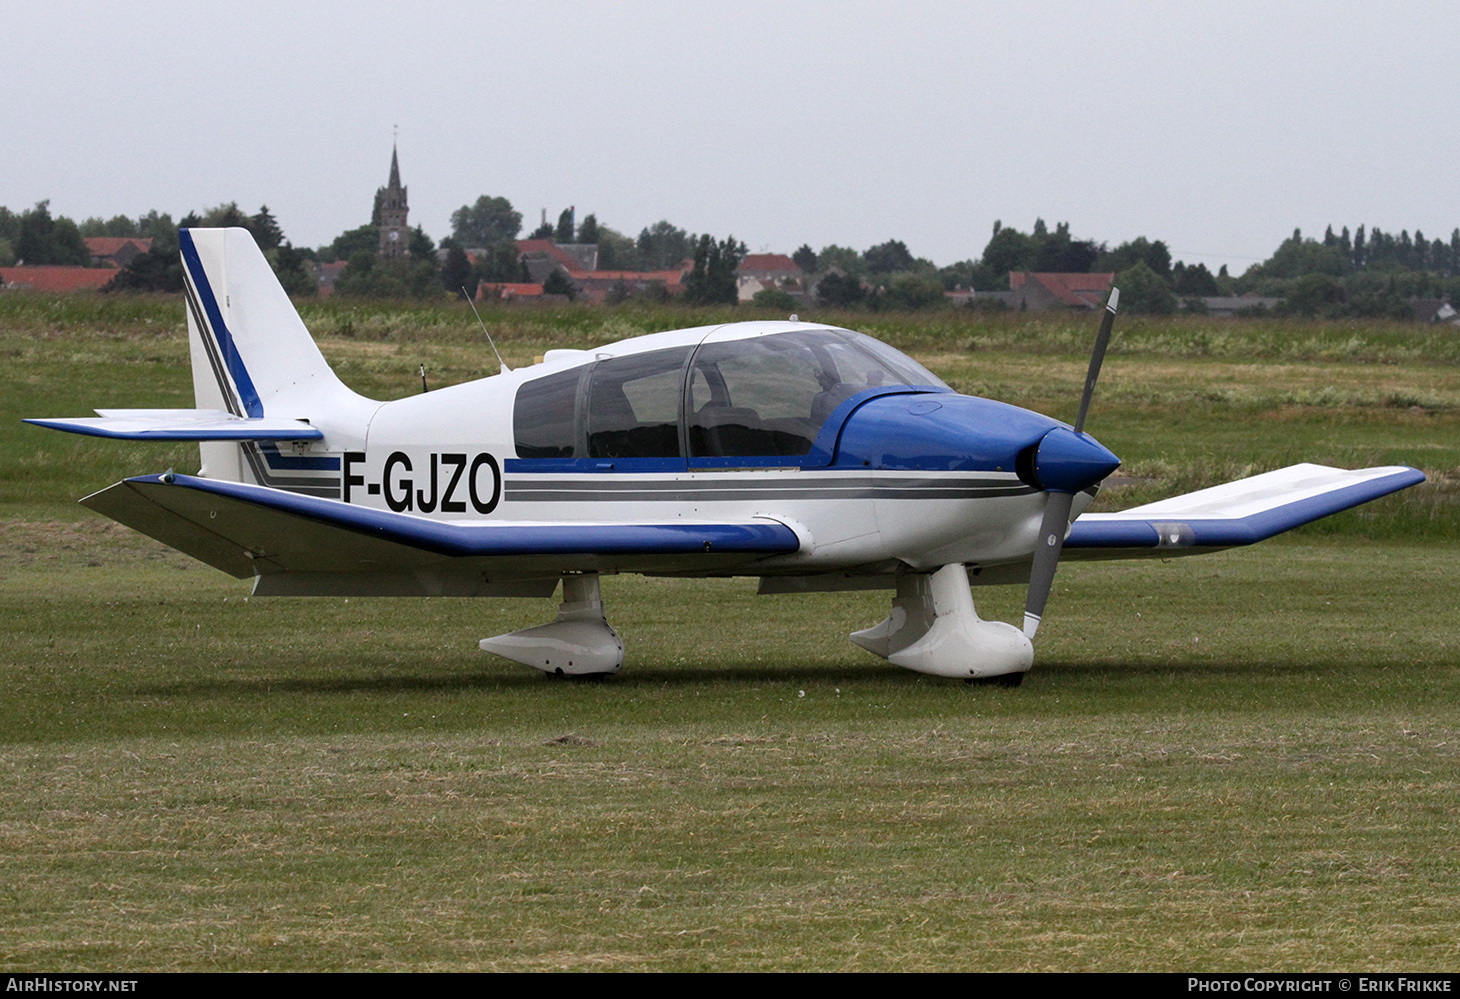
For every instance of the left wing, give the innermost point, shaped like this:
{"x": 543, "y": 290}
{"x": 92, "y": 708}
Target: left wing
{"x": 249, "y": 530}
{"x": 1235, "y": 513}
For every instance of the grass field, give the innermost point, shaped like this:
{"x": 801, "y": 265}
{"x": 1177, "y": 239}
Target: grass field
{"x": 1246, "y": 761}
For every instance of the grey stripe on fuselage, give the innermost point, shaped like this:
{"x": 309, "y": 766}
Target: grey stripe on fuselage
{"x": 309, "y": 485}
{"x": 803, "y": 487}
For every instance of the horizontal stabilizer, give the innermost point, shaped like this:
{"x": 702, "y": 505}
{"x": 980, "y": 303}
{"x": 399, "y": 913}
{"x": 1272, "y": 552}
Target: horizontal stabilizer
{"x": 183, "y": 425}
{"x": 1236, "y": 513}
{"x": 250, "y": 530}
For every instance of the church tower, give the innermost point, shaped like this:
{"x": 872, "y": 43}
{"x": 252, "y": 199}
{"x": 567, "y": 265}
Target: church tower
{"x": 395, "y": 235}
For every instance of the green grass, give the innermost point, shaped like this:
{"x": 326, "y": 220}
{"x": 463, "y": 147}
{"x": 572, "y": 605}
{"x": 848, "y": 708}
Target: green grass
{"x": 1249, "y": 760}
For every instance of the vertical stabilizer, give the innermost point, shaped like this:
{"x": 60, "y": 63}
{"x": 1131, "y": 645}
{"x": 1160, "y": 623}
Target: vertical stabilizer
{"x": 251, "y": 353}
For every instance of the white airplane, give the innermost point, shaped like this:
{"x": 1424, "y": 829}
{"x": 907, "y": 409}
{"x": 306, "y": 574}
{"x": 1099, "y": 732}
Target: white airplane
{"x": 811, "y": 457}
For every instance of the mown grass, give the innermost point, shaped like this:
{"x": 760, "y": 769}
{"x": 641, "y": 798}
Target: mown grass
{"x": 1235, "y": 762}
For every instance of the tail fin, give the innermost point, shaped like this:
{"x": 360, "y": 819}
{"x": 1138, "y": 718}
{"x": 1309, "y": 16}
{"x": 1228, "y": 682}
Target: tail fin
{"x": 252, "y": 355}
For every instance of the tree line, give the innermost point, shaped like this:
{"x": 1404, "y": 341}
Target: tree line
{"x": 1363, "y": 272}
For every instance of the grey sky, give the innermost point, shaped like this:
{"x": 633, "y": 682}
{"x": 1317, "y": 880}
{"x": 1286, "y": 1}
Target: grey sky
{"x": 1216, "y": 127}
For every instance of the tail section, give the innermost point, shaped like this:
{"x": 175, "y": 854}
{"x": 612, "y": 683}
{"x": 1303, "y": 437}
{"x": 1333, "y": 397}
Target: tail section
{"x": 253, "y": 357}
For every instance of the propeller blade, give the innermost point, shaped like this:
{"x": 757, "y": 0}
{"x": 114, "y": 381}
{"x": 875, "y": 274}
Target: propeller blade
{"x": 1046, "y": 558}
{"x": 1056, "y": 520}
{"x": 1102, "y": 340}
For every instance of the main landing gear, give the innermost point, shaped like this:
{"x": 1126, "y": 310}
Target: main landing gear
{"x": 579, "y": 643}
{"x": 933, "y": 628}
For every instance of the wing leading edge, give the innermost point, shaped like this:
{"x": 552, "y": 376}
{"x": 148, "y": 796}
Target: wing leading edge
{"x": 1236, "y": 513}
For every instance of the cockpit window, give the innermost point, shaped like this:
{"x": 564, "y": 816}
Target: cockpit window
{"x": 544, "y": 418}
{"x": 760, "y": 397}
{"x": 633, "y": 405}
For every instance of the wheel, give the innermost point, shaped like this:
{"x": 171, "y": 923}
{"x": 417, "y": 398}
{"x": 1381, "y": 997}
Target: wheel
{"x": 1002, "y": 680}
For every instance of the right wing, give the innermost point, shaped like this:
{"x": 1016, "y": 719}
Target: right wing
{"x": 1236, "y": 513}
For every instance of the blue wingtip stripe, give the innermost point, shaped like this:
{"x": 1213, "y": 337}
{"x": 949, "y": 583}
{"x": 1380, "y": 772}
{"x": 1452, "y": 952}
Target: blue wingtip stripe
{"x": 236, "y": 369}
{"x": 457, "y": 539}
{"x": 1233, "y": 533}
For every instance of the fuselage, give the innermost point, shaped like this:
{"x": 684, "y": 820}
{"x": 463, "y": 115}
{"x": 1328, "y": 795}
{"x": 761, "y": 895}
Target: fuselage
{"x": 873, "y": 461}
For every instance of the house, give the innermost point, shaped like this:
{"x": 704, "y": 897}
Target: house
{"x": 329, "y": 274}
{"x": 116, "y": 251}
{"x": 56, "y": 279}
{"x": 579, "y": 263}
{"x": 1035, "y": 290}
{"x": 759, "y": 271}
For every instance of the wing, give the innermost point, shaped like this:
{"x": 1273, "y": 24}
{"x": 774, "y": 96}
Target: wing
{"x": 182, "y": 425}
{"x": 1236, "y": 513}
{"x": 331, "y": 547}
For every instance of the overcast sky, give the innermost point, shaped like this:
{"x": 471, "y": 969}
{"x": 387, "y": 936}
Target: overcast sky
{"x": 1216, "y": 127}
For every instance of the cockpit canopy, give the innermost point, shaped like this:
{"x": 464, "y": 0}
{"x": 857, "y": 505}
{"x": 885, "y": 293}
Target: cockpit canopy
{"x": 764, "y": 396}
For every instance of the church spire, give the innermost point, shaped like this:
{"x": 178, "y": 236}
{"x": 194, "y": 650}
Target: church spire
{"x": 395, "y": 234}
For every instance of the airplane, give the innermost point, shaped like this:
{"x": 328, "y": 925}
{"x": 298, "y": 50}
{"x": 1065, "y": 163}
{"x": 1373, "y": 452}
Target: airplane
{"x": 812, "y": 457}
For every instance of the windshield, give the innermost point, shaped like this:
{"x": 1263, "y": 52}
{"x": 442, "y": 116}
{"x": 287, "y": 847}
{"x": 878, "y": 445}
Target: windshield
{"x": 770, "y": 395}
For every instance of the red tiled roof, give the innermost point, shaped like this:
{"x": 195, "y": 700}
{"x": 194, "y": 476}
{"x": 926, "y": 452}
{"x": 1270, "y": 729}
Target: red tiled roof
{"x": 567, "y": 260}
{"x": 774, "y": 262}
{"x": 668, "y": 277}
{"x": 108, "y": 246}
{"x": 509, "y": 290}
{"x": 56, "y": 278}
{"x": 1085, "y": 291}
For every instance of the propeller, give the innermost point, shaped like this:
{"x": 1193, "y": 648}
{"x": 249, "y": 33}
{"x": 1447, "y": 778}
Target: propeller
{"x": 1064, "y": 463}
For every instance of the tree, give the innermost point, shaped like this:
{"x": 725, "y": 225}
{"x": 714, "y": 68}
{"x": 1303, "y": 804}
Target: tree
{"x": 565, "y": 230}
{"x": 490, "y": 220}
{"x": 421, "y": 246}
{"x": 773, "y": 298}
{"x": 44, "y": 240}
{"x": 458, "y": 274}
{"x": 712, "y": 280}
{"x": 499, "y": 263}
{"x": 805, "y": 258}
{"x": 1313, "y": 295}
{"x": 1154, "y": 255}
{"x": 912, "y": 291}
{"x": 663, "y": 246}
{"x": 117, "y": 225}
{"x": 616, "y": 252}
{"x": 842, "y": 258}
{"x": 1142, "y": 290}
{"x": 558, "y": 283}
{"x": 1007, "y": 250}
{"x": 888, "y": 258}
{"x": 352, "y": 241}
{"x": 265, "y": 229}
{"x": 296, "y": 276}
{"x": 837, "y": 290}
{"x": 1193, "y": 281}
{"x": 588, "y": 231}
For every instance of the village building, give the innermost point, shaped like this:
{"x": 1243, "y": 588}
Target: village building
{"x": 395, "y": 234}
{"x": 116, "y": 251}
{"x": 1035, "y": 290}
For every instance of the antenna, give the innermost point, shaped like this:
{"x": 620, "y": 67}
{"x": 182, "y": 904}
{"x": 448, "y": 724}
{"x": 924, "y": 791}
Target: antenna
{"x": 483, "y": 325}
{"x": 423, "y": 379}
